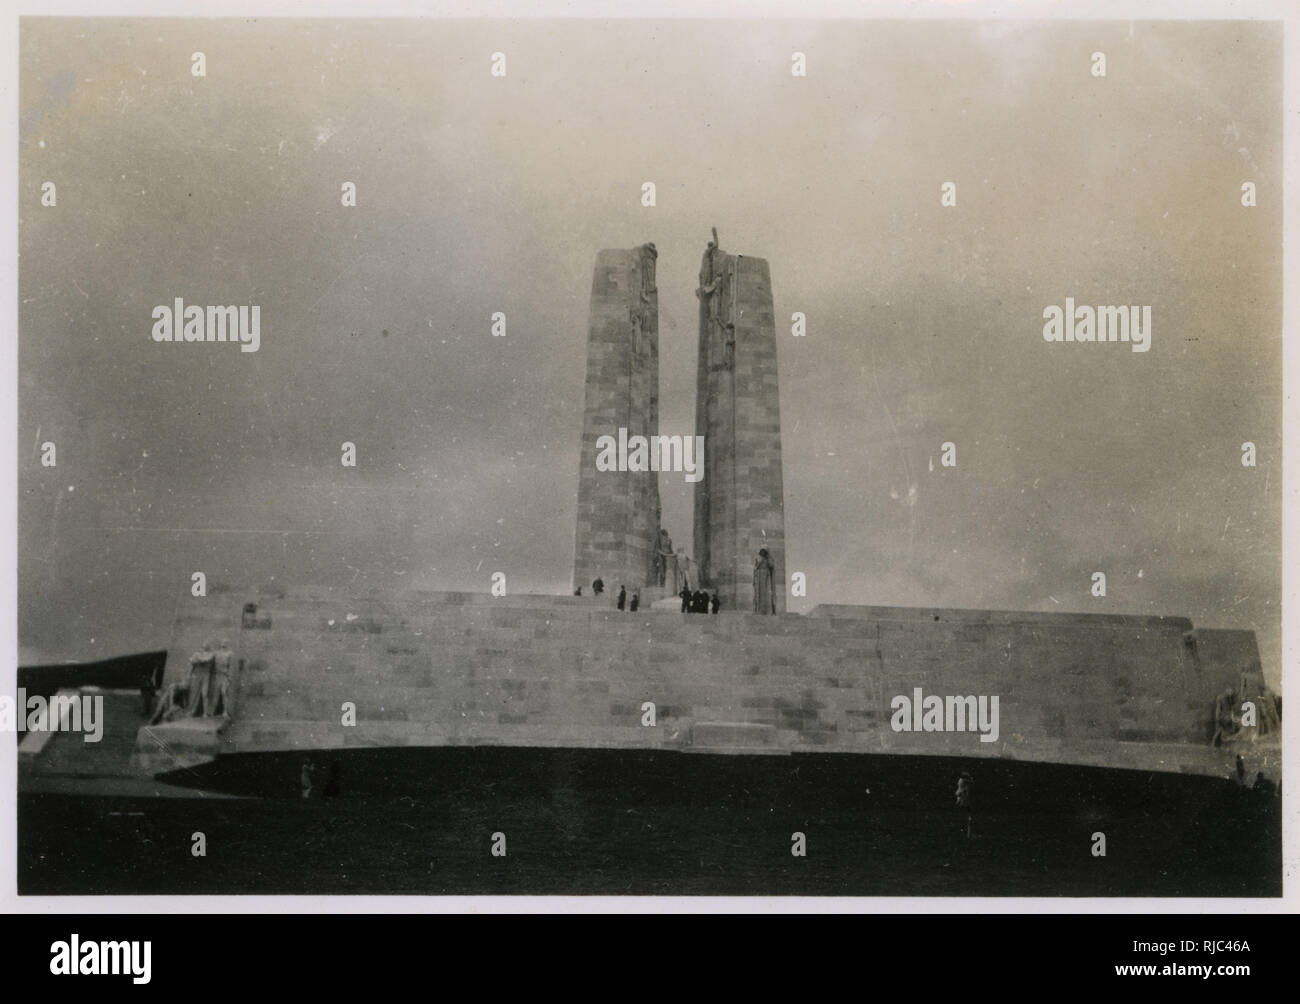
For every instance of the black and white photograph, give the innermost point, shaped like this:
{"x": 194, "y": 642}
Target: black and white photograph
{"x": 654, "y": 455}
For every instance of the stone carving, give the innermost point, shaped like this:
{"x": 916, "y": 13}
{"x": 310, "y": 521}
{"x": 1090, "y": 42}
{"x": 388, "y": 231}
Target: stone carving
{"x": 648, "y": 258}
{"x": 665, "y": 559}
{"x": 764, "y": 584}
{"x": 202, "y": 664}
{"x": 687, "y": 572}
{"x": 219, "y": 684}
{"x": 171, "y": 703}
{"x": 643, "y": 312}
{"x": 715, "y": 287}
{"x": 1229, "y": 712}
{"x": 206, "y": 694}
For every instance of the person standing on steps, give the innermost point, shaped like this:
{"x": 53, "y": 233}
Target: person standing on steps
{"x": 764, "y": 583}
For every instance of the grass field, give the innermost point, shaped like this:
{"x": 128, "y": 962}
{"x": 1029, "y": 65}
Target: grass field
{"x": 606, "y": 822}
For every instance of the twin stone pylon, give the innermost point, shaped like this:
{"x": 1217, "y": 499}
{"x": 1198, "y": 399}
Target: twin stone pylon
{"x": 739, "y": 500}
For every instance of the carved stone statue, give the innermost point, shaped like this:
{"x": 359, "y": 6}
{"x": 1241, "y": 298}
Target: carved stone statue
{"x": 172, "y": 704}
{"x": 648, "y": 257}
{"x": 219, "y": 692}
{"x": 1226, "y": 722}
{"x": 686, "y": 572}
{"x": 201, "y": 666}
{"x": 665, "y": 559}
{"x": 713, "y": 292}
{"x": 642, "y": 315}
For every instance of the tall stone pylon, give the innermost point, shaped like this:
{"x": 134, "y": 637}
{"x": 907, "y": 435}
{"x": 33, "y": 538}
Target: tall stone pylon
{"x": 740, "y": 502}
{"x": 618, "y": 511}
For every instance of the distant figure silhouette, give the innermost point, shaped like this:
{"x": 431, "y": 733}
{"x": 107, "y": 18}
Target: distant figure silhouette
{"x": 636, "y": 602}
{"x": 622, "y": 597}
{"x": 716, "y": 602}
{"x": 598, "y": 586}
{"x": 578, "y": 591}
{"x": 764, "y": 583}
{"x": 308, "y": 770}
{"x": 964, "y": 785}
{"x": 685, "y": 594}
{"x": 700, "y": 602}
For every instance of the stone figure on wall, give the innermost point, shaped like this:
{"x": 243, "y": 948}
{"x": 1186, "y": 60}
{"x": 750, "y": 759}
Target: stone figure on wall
{"x": 764, "y": 583}
{"x": 648, "y": 257}
{"x": 219, "y": 690}
{"x": 202, "y": 664}
{"x": 1230, "y": 710}
{"x": 712, "y": 291}
{"x": 687, "y": 571}
{"x": 172, "y": 704}
{"x": 665, "y": 560}
{"x": 1226, "y": 722}
{"x": 643, "y": 314}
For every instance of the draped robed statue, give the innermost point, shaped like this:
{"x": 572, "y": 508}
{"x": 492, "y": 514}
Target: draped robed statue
{"x": 687, "y": 572}
{"x": 665, "y": 559}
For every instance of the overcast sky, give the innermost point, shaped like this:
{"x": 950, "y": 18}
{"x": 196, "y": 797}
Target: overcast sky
{"x": 478, "y": 194}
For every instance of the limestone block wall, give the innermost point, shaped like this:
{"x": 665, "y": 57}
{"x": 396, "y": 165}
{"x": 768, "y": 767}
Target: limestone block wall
{"x": 456, "y": 669}
{"x": 739, "y": 504}
{"x": 618, "y": 512}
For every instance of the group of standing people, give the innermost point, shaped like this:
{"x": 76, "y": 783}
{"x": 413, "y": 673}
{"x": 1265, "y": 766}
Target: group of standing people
{"x": 699, "y": 602}
{"x": 674, "y": 570}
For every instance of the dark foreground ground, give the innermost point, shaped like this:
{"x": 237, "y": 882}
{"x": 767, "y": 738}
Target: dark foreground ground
{"x": 606, "y": 822}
